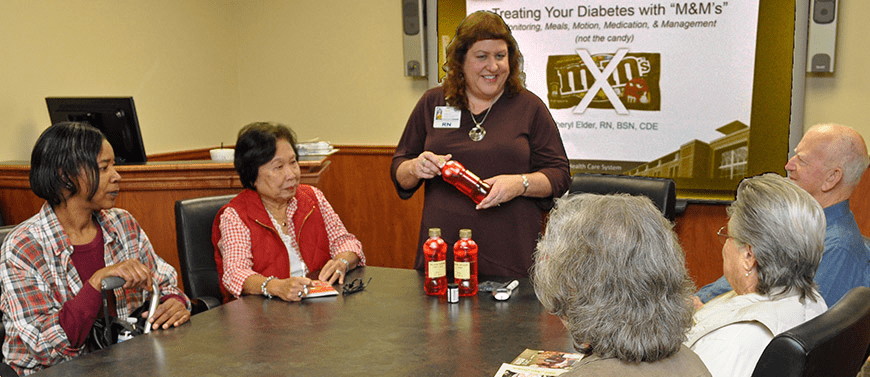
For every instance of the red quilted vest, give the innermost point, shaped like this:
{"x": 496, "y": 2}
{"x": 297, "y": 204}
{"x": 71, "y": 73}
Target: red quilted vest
{"x": 268, "y": 250}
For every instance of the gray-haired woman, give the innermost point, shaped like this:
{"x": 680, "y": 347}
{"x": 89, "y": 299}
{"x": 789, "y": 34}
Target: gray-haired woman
{"x": 612, "y": 269}
{"x": 771, "y": 248}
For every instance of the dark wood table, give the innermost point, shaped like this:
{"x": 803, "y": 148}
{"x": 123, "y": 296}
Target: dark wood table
{"x": 390, "y": 329}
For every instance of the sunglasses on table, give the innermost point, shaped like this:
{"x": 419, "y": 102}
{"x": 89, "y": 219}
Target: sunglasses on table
{"x": 355, "y": 286}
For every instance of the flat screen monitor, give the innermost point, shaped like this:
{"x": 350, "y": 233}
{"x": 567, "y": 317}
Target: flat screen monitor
{"x": 114, "y": 116}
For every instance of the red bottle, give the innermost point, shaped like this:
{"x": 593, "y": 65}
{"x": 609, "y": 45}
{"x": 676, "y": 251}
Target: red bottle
{"x": 435, "y": 251}
{"x": 470, "y": 184}
{"x": 465, "y": 264}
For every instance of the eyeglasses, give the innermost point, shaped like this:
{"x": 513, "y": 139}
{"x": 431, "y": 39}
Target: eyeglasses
{"x": 723, "y": 234}
{"x": 355, "y": 286}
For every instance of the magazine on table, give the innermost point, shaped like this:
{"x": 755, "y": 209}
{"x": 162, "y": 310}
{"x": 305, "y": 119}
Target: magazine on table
{"x": 534, "y": 363}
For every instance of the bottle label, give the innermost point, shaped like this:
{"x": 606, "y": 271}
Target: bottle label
{"x": 462, "y": 270}
{"x": 437, "y": 269}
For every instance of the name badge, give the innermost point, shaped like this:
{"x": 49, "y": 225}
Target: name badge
{"x": 446, "y": 117}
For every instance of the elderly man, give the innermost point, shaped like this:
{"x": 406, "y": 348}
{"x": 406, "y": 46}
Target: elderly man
{"x": 828, "y": 163}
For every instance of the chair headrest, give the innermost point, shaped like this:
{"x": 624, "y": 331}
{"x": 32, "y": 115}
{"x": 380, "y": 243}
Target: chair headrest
{"x": 661, "y": 191}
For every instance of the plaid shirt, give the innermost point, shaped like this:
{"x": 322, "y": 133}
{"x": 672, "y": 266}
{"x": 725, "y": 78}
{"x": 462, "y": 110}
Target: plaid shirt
{"x": 235, "y": 242}
{"x": 38, "y": 277}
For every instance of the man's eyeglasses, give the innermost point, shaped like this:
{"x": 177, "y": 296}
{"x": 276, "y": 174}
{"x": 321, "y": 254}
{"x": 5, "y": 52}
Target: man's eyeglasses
{"x": 355, "y": 286}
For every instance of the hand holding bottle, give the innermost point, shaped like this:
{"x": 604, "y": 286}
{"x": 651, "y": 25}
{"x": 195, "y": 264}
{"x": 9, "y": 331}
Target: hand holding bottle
{"x": 503, "y": 188}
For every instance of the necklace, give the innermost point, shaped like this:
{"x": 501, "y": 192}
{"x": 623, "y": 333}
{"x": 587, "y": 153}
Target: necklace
{"x": 283, "y": 224}
{"x": 477, "y": 133}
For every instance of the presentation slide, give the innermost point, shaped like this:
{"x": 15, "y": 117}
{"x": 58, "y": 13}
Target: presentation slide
{"x": 640, "y": 87}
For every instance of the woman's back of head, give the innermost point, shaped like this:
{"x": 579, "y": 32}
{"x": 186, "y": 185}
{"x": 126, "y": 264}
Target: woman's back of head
{"x": 785, "y": 227}
{"x": 611, "y": 267}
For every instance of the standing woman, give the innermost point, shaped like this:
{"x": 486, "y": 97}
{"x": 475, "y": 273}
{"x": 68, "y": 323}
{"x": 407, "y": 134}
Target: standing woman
{"x": 484, "y": 118}
{"x": 52, "y": 264}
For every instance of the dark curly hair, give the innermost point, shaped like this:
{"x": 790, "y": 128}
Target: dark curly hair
{"x": 256, "y": 145}
{"x": 478, "y": 26}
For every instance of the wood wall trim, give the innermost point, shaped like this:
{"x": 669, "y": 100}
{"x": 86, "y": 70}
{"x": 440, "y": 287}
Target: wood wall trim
{"x": 15, "y": 182}
{"x": 203, "y": 154}
{"x": 366, "y": 149}
{"x": 193, "y": 154}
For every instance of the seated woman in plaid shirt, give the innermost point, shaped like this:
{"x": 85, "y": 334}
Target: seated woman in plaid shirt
{"x": 52, "y": 264}
{"x": 275, "y": 236}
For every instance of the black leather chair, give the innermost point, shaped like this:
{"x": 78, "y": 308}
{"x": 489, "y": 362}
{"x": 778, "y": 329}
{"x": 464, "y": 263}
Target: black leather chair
{"x": 4, "y": 231}
{"x": 833, "y": 344}
{"x": 193, "y": 223}
{"x": 662, "y": 191}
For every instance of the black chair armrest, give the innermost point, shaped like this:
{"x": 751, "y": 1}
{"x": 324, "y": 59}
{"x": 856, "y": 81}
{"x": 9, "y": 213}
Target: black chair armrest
{"x": 7, "y": 371}
{"x": 203, "y": 303}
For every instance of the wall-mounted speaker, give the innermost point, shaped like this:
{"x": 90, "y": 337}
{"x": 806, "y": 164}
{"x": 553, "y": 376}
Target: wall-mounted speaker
{"x": 414, "y": 37}
{"x": 822, "y": 35}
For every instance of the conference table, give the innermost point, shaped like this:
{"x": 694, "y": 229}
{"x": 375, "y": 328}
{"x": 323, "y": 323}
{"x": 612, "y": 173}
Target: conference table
{"x": 391, "y": 328}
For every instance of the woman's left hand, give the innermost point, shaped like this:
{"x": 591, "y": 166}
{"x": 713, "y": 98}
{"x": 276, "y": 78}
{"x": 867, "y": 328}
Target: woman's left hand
{"x": 503, "y": 188}
{"x": 169, "y": 313}
{"x": 336, "y": 268}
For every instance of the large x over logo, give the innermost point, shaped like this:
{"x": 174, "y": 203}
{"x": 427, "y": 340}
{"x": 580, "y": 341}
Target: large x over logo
{"x": 601, "y": 81}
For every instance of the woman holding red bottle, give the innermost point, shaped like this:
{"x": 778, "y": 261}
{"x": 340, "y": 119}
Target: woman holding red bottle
{"x": 484, "y": 118}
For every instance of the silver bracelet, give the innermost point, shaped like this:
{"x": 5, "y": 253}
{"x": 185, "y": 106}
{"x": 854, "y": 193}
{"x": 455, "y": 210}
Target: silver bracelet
{"x": 346, "y": 265}
{"x": 263, "y": 287}
{"x": 525, "y": 184}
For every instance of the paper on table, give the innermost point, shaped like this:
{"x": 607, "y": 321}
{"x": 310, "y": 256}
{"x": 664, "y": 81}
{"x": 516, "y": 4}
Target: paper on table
{"x": 539, "y": 363}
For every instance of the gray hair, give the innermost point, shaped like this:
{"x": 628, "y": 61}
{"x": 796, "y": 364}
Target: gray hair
{"x": 611, "y": 268}
{"x": 785, "y": 227}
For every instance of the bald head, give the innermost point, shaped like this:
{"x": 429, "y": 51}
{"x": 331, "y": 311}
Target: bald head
{"x": 829, "y": 162}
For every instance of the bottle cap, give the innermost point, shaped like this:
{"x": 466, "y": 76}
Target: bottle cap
{"x": 451, "y": 168}
{"x": 434, "y": 232}
{"x": 464, "y": 233}
{"x": 452, "y": 293}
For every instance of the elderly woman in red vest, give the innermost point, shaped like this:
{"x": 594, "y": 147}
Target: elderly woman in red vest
{"x": 274, "y": 237}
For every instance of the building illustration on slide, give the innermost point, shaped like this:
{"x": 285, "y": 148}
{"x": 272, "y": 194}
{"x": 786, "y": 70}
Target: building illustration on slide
{"x": 723, "y": 158}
